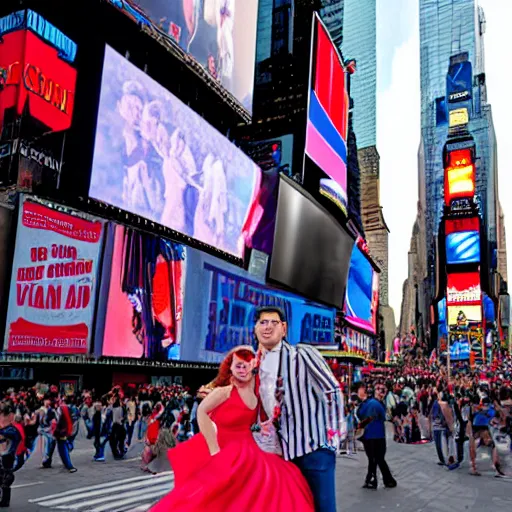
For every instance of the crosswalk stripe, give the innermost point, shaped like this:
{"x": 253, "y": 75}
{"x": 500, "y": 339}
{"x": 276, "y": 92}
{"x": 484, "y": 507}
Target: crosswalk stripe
{"x": 140, "y": 508}
{"x": 147, "y": 496}
{"x": 120, "y": 495}
{"x": 106, "y": 501}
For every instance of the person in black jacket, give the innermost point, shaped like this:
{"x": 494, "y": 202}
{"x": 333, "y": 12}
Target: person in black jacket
{"x": 10, "y": 438}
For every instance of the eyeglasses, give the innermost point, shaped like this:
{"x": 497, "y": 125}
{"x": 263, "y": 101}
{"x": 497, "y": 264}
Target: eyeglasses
{"x": 273, "y": 323}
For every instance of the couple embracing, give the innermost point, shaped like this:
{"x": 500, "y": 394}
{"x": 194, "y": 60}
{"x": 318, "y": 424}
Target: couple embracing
{"x": 269, "y": 432}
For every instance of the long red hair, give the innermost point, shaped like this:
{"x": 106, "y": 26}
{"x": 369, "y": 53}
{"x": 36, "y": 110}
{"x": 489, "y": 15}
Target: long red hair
{"x": 244, "y": 352}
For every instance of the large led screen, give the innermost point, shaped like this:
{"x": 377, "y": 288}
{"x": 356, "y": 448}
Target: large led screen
{"x": 463, "y": 314}
{"x": 155, "y": 157}
{"x": 459, "y": 80}
{"x": 54, "y": 281}
{"x": 361, "y": 298}
{"x": 459, "y": 175}
{"x": 463, "y": 247}
{"x": 311, "y": 253}
{"x": 220, "y": 302}
{"x": 273, "y": 156}
{"x": 219, "y": 34}
{"x": 142, "y": 300}
{"x": 463, "y": 288}
{"x": 327, "y": 124}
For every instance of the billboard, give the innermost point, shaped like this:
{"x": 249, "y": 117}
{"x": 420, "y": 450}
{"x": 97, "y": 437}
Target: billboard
{"x": 53, "y": 284}
{"x": 327, "y": 123}
{"x": 273, "y": 156}
{"x": 459, "y": 175}
{"x": 142, "y": 301}
{"x": 155, "y": 157}
{"x": 462, "y": 315}
{"x": 219, "y": 34}
{"x": 463, "y": 288}
{"x": 361, "y": 297}
{"x": 35, "y": 70}
{"x": 301, "y": 223}
{"x": 459, "y": 80}
{"x": 220, "y": 301}
{"x": 458, "y": 117}
{"x": 463, "y": 247}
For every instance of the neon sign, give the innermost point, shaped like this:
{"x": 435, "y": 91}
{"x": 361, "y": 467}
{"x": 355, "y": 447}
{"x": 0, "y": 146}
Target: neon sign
{"x": 37, "y": 82}
{"x": 36, "y": 75}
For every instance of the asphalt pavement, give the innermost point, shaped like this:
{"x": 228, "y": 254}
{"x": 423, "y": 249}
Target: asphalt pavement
{"x": 120, "y": 486}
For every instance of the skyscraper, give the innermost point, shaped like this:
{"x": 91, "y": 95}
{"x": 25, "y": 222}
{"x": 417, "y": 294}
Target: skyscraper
{"x": 360, "y": 43}
{"x": 449, "y": 28}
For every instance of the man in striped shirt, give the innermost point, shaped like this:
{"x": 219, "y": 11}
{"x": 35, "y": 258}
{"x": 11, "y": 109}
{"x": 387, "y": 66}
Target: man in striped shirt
{"x": 300, "y": 394}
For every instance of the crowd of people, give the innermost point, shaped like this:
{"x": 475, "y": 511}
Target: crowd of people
{"x": 426, "y": 403}
{"x": 256, "y": 416}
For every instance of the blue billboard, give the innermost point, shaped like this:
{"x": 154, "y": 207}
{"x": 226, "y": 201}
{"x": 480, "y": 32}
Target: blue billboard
{"x": 463, "y": 247}
{"x": 459, "y": 82}
{"x": 220, "y": 302}
{"x": 361, "y": 296}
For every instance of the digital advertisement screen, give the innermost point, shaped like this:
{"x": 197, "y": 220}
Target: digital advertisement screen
{"x": 143, "y": 300}
{"x": 273, "y": 156}
{"x": 459, "y": 117}
{"x": 361, "y": 298}
{"x": 37, "y": 74}
{"x": 219, "y": 34}
{"x": 155, "y": 157}
{"x": 462, "y": 314}
{"x": 463, "y": 288}
{"x": 54, "y": 281}
{"x": 327, "y": 124}
{"x": 319, "y": 274}
{"x": 459, "y": 346}
{"x": 220, "y": 302}
{"x": 463, "y": 247}
{"x": 459, "y": 175}
{"x": 459, "y": 80}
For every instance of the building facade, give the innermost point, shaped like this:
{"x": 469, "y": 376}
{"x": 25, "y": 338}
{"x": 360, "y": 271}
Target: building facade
{"x": 360, "y": 43}
{"x": 449, "y": 28}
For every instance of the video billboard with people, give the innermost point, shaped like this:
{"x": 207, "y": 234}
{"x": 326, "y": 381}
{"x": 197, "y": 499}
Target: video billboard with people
{"x": 155, "y": 157}
{"x": 219, "y": 34}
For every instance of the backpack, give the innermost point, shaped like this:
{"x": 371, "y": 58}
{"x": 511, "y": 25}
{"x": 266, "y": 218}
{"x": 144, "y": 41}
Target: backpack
{"x": 146, "y": 410}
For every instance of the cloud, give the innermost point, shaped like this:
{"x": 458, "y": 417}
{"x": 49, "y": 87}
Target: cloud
{"x": 398, "y": 136}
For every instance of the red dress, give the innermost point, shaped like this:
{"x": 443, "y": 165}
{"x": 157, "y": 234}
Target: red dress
{"x": 241, "y": 477}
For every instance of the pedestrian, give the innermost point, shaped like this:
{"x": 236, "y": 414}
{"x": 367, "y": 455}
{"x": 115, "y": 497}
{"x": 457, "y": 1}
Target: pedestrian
{"x": 10, "y": 439}
{"x": 118, "y": 433}
{"x": 294, "y": 382}
{"x": 372, "y": 413}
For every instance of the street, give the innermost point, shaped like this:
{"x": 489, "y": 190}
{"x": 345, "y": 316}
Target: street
{"x": 120, "y": 486}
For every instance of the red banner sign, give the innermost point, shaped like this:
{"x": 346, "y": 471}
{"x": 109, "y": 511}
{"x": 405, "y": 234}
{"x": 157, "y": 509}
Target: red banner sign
{"x": 32, "y": 74}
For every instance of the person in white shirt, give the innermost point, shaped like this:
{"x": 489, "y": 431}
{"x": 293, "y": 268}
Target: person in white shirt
{"x": 302, "y": 405}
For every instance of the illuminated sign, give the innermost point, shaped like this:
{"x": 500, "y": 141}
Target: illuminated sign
{"x": 459, "y": 96}
{"x": 35, "y": 73}
{"x": 463, "y": 288}
{"x": 459, "y": 175}
{"x": 458, "y": 117}
{"x": 461, "y": 315}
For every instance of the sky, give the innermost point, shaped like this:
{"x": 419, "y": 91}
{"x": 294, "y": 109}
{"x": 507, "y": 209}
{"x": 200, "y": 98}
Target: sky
{"x": 398, "y": 120}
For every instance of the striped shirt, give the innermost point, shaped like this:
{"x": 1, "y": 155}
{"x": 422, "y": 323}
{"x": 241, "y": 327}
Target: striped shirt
{"x": 312, "y": 411}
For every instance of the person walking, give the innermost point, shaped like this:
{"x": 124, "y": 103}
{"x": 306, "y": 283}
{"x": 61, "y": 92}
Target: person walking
{"x": 372, "y": 414}
{"x": 294, "y": 384}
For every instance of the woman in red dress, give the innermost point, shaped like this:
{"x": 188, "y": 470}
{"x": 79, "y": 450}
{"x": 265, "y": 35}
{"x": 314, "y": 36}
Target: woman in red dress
{"x": 222, "y": 469}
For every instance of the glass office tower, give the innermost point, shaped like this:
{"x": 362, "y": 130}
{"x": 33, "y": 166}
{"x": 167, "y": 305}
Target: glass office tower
{"x": 360, "y": 43}
{"x": 448, "y": 28}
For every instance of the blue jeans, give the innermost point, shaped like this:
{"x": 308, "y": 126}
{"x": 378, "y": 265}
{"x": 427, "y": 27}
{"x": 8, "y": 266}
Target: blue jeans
{"x": 319, "y": 470}
{"x": 63, "y": 449}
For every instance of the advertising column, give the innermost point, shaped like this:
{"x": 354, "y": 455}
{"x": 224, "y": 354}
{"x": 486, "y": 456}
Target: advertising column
{"x": 53, "y": 283}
